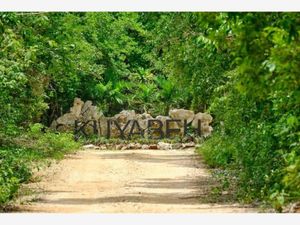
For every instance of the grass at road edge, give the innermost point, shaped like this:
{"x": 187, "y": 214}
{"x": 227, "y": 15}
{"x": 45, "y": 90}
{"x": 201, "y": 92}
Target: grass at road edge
{"x": 21, "y": 155}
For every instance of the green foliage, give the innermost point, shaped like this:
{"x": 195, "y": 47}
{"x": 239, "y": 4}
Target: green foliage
{"x": 243, "y": 68}
{"x": 13, "y": 171}
{"x": 19, "y": 156}
{"x": 259, "y": 107}
{"x": 50, "y": 144}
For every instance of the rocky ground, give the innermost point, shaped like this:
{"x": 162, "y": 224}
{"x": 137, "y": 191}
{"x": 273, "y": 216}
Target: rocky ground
{"x": 131, "y": 181}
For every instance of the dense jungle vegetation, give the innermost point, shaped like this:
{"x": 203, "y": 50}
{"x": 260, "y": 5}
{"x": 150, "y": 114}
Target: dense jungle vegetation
{"x": 243, "y": 68}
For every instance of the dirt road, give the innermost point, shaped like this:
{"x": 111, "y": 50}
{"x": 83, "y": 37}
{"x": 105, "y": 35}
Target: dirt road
{"x": 130, "y": 181}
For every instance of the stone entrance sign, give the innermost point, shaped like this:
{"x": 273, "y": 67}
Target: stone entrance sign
{"x": 86, "y": 119}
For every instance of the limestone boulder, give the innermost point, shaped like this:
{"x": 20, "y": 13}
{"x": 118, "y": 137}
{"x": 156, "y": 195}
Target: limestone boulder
{"x": 80, "y": 111}
{"x": 205, "y": 119}
{"x": 143, "y": 120}
{"x": 67, "y": 119}
{"x": 144, "y": 146}
{"x": 125, "y": 115}
{"x": 90, "y": 112}
{"x": 114, "y": 132}
{"x": 182, "y": 114}
{"x": 103, "y": 125}
{"x": 96, "y": 114}
{"x": 176, "y": 146}
{"x": 206, "y": 130}
{"x": 77, "y": 106}
{"x": 138, "y": 146}
{"x": 90, "y": 146}
{"x": 163, "y": 119}
{"x": 172, "y": 125}
{"x": 188, "y": 145}
{"x": 86, "y": 106}
{"x": 164, "y": 146}
{"x": 90, "y": 129}
{"x": 53, "y": 125}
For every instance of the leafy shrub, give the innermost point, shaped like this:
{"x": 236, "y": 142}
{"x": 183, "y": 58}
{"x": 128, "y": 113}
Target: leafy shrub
{"x": 19, "y": 155}
{"x": 13, "y": 171}
{"x": 260, "y": 149}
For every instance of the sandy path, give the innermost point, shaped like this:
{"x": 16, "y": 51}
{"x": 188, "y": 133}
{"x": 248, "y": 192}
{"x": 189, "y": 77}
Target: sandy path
{"x": 127, "y": 181}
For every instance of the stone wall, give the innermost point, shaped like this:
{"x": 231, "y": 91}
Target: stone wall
{"x": 85, "y": 113}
